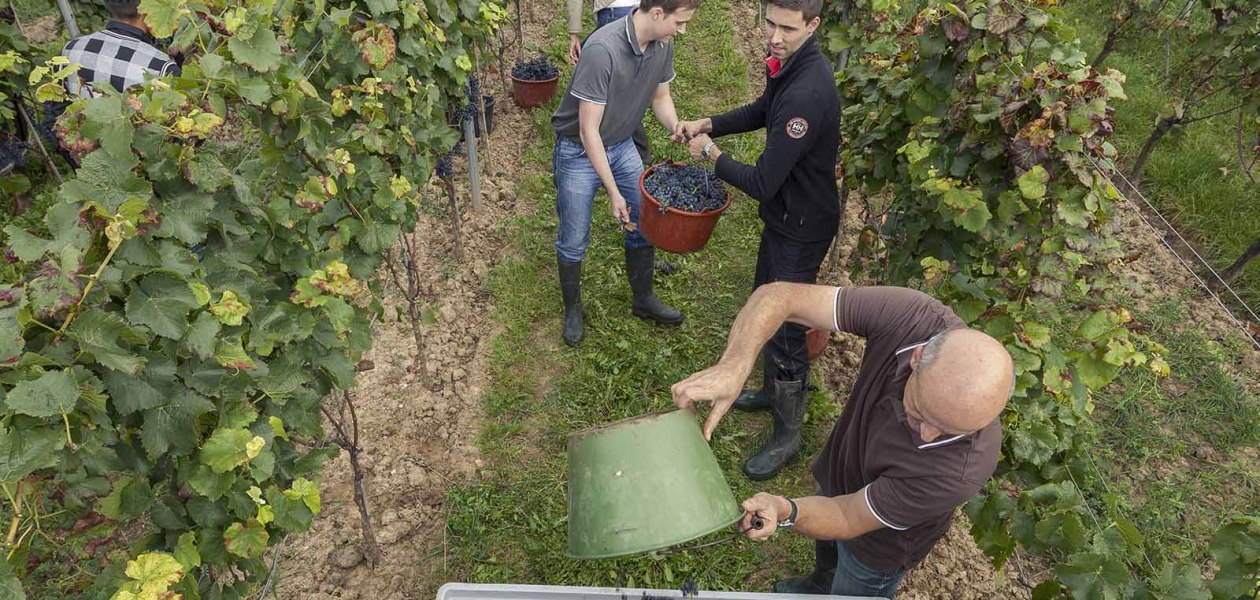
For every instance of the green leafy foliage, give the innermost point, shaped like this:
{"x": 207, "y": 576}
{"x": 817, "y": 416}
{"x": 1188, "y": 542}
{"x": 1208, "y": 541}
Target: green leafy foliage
{"x": 145, "y": 378}
{"x": 979, "y": 133}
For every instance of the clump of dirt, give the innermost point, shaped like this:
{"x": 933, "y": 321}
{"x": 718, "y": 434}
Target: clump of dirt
{"x": 44, "y": 30}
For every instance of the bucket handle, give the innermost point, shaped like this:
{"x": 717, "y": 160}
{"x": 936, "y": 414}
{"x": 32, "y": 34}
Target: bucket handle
{"x": 757, "y": 523}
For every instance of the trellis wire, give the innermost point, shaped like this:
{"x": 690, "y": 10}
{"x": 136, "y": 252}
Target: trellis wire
{"x": 1189, "y": 268}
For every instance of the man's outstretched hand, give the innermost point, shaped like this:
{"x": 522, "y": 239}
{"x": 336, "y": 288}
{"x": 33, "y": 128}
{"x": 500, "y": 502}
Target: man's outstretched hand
{"x": 718, "y": 384}
{"x": 685, "y": 130}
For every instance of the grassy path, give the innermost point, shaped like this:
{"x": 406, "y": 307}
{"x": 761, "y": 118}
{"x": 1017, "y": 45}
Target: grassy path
{"x": 510, "y": 525}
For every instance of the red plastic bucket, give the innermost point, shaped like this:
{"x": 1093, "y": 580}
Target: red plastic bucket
{"x": 674, "y": 230}
{"x": 816, "y": 341}
{"x": 529, "y": 94}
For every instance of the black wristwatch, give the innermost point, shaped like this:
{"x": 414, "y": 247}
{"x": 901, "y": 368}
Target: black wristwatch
{"x": 791, "y": 520}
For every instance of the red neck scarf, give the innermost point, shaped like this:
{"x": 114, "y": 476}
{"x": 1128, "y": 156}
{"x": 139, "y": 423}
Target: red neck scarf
{"x": 775, "y": 65}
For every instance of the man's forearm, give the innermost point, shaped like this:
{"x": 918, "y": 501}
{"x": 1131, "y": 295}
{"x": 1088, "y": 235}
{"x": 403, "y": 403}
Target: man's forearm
{"x": 594, "y": 145}
{"x": 769, "y": 306}
{"x": 663, "y": 108}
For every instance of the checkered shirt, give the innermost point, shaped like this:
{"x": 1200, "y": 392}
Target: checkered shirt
{"x": 121, "y": 56}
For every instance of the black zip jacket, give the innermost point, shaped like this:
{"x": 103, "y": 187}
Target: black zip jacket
{"x": 795, "y": 177}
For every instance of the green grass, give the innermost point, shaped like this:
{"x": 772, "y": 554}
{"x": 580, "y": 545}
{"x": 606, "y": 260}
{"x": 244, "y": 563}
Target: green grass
{"x": 1178, "y": 456}
{"x": 1181, "y": 453}
{"x": 1184, "y": 177}
{"x": 510, "y": 525}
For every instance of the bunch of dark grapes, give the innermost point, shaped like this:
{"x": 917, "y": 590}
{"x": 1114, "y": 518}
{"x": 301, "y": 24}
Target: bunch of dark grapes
{"x": 444, "y": 168}
{"x": 46, "y": 127}
{"x": 12, "y": 152}
{"x": 472, "y": 94}
{"x": 535, "y": 69}
{"x": 686, "y": 187}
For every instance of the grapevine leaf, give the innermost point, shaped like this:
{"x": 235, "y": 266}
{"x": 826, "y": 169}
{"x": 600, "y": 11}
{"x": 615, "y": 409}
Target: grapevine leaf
{"x": 246, "y": 541}
{"x": 185, "y": 216}
{"x": 52, "y": 394}
{"x": 212, "y": 485}
{"x": 11, "y": 341}
{"x": 10, "y": 587}
{"x": 291, "y": 514}
{"x": 153, "y": 574}
{"x": 1034, "y": 442}
{"x": 131, "y": 394}
{"x": 262, "y": 466}
{"x": 161, "y": 303}
{"x": 260, "y": 51}
{"x": 306, "y": 490}
{"x": 1181, "y": 581}
{"x": 1096, "y": 326}
{"x": 231, "y": 355}
{"x": 105, "y": 121}
{"x": 24, "y": 452}
{"x": 186, "y": 551}
{"x": 203, "y": 335}
{"x": 1035, "y": 335}
{"x": 169, "y": 428}
{"x": 230, "y": 309}
{"x": 1073, "y": 212}
{"x": 162, "y": 16}
{"x": 107, "y": 181}
{"x": 27, "y": 247}
{"x": 1095, "y": 372}
{"x": 53, "y": 292}
{"x": 207, "y": 172}
{"x": 1032, "y": 184}
{"x": 99, "y": 334}
{"x": 226, "y": 449}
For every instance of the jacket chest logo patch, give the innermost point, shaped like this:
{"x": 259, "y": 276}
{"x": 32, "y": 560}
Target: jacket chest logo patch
{"x": 797, "y": 127}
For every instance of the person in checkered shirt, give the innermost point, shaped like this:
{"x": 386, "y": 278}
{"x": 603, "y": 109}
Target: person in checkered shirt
{"x": 122, "y": 55}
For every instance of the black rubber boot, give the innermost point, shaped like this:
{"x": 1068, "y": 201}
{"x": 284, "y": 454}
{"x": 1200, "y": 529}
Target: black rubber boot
{"x": 753, "y": 400}
{"x": 571, "y": 290}
{"x": 818, "y": 582}
{"x": 785, "y": 441}
{"x": 646, "y": 305}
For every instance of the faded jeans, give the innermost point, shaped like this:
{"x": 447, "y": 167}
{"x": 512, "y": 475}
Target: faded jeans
{"x": 576, "y": 184}
{"x": 856, "y": 579}
{"x": 608, "y": 15}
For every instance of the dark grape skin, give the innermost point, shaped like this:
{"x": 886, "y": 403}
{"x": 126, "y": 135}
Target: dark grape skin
{"x": 472, "y": 92}
{"x": 685, "y": 187}
{"x": 12, "y": 152}
{"x": 535, "y": 69}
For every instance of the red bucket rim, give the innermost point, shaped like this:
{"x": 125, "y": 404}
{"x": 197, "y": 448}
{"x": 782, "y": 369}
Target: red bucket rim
{"x": 669, "y": 209}
{"x": 557, "y": 77}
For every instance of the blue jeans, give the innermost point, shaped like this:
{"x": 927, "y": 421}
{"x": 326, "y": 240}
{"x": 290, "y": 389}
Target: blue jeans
{"x": 856, "y": 579}
{"x": 605, "y": 16}
{"x": 576, "y": 184}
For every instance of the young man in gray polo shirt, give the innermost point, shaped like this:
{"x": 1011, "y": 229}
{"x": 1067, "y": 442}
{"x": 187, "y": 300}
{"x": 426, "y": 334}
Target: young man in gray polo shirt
{"x": 918, "y": 437}
{"x": 624, "y": 68}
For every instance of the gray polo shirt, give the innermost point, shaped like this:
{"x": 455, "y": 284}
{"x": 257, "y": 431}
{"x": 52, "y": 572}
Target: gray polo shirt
{"x": 613, "y": 72}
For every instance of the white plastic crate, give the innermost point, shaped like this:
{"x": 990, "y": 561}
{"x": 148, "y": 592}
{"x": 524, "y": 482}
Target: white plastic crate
{"x": 496, "y": 591}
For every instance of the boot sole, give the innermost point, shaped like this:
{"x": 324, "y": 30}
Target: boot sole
{"x": 646, "y": 316}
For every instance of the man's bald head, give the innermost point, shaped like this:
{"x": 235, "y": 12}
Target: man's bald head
{"x": 965, "y": 378}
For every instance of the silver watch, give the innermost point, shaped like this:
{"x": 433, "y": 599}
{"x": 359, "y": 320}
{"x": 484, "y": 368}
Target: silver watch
{"x": 705, "y": 150}
{"x": 791, "y": 520}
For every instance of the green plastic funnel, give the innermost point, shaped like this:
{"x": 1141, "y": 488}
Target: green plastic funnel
{"x": 644, "y": 484}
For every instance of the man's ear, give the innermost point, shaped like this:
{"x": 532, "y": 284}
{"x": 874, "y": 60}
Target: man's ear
{"x": 812, "y": 25}
{"x": 914, "y": 357}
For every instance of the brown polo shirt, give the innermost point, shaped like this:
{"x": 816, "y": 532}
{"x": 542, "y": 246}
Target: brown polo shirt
{"x": 912, "y": 487}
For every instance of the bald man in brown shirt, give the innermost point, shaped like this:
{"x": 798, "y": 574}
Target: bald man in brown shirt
{"x": 918, "y": 436}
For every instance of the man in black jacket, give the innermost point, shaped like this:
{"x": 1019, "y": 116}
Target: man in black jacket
{"x": 794, "y": 181}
